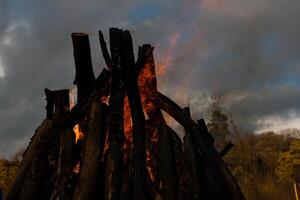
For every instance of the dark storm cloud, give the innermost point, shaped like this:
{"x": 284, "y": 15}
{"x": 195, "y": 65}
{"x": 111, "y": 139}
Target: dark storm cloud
{"x": 234, "y": 47}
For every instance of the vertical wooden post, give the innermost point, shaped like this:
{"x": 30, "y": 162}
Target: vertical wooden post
{"x": 166, "y": 164}
{"x": 83, "y": 63}
{"x": 138, "y": 119}
{"x": 116, "y": 125}
{"x": 89, "y": 175}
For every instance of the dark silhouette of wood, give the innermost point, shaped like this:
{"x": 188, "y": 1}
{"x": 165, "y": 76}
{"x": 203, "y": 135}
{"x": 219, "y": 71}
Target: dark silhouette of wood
{"x": 84, "y": 77}
{"x": 104, "y": 50}
{"x": 29, "y": 156}
{"x": 93, "y": 146}
{"x": 224, "y": 183}
{"x": 50, "y": 104}
{"x": 193, "y": 162}
{"x": 49, "y": 129}
{"x": 226, "y": 149}
{"x": 63, "y": 187}
{"x": 116, "y": 104}
{"x": 167, "y": 164}
{"x": 46, "y": 161}
{"x": 138, "y": 119}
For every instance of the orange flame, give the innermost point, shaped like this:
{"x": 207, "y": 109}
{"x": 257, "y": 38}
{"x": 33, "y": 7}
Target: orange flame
{"x": 166, "y": 59}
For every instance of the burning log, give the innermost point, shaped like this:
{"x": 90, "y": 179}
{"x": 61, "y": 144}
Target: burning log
{"x": 167, "y": 164}
{"x": 116, "y": 105}
{"x": 138, "y": 119}
{"x": 89, "y": 175}
{"x": 224, "y": 183}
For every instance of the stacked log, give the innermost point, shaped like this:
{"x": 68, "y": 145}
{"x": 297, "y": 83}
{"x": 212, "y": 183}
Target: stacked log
{"x": 158, "y": 165}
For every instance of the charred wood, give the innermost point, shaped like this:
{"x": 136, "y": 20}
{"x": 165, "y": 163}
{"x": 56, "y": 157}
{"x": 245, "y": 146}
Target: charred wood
{"x": 104, "y": 50}
{"x": 83, "y": 62}
{"x": 167, "y": 164}
{"x": 224, "y": 183}
{"x": 90, "y": 165}
{"x": 226, "y": 149}
{"x": 116, "y": 105}
{"x": 138, "y": 118}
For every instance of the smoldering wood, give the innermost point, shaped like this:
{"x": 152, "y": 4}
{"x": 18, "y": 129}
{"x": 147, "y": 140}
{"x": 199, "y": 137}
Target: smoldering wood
{"x": 84, "y": 77}
{"x": 104, "y": 50}
{"x": 167, "y": 163}
{"x": 225, "y": 183}
{"x": 90, "y": 165}
{"x": 138, "y": 118}
{"x": 226, "y": 149}
{"x": 116, "y": 106}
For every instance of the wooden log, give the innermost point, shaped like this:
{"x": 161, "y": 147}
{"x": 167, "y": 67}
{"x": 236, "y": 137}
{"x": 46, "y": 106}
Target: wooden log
{"x": 226, "y": 149}
{"x": 83, "y": 62}
{"x": 64, "y": 184}
{"x": 104, "y": 50}
{"x": 40, "y": 178}
{"x": 49, "y": 129}
{"x": 90, "y": 165}
{"x": 138, "y": 119}
{"x": 29, "y": 157}
{"x": 195, "y": 191}
{"x": 224, "y": 183}
{"x": 116, "y": 104}
{"x": 167, "y": 164}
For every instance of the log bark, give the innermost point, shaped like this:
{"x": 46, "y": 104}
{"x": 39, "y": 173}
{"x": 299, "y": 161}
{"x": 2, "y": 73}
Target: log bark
{"x": 50, "y": 104}
{"x": 116, "y": 135}
{"x": 138, "y": 119}
{"x": 90, "y": 165}
{"x": 224, "y": 183}
{"x": 167, "y": 164}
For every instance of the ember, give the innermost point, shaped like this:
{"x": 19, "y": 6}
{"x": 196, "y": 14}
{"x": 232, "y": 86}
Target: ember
{"x": 115, "y": 142}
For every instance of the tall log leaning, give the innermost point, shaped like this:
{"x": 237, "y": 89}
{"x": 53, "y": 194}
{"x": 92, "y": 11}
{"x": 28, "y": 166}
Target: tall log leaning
{"x": 224, "y": 183}
{"x": 116, "y": 126}
{"x": 89, "y": 175}
{"x": 138, "y": 119}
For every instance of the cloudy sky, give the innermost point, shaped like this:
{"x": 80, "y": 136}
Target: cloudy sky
{"x": 248, "y": 51}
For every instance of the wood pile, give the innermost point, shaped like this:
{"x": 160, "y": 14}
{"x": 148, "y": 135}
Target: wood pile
{"x": 126, "y": 150}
